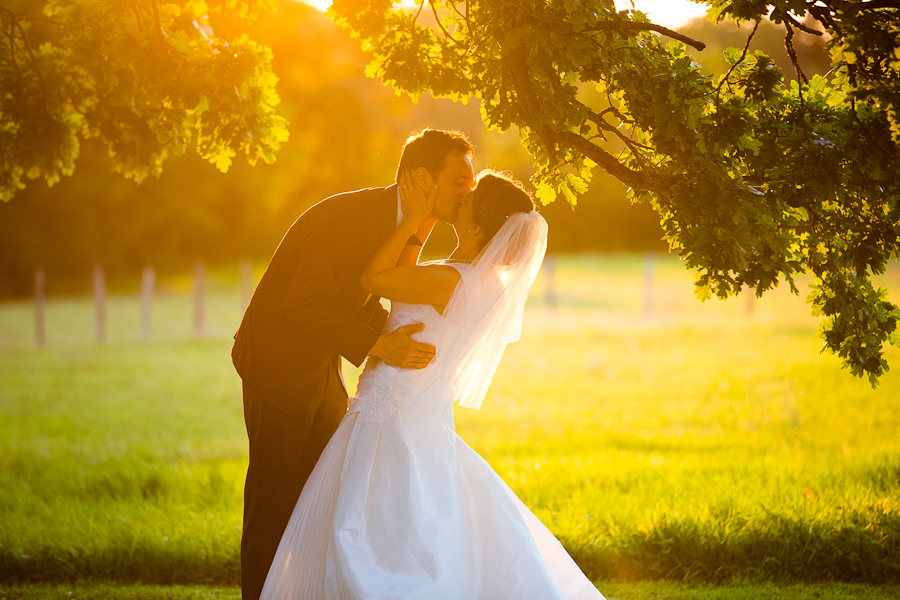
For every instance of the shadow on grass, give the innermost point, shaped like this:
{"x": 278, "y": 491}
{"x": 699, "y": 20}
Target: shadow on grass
{"x": 863, "y": 548}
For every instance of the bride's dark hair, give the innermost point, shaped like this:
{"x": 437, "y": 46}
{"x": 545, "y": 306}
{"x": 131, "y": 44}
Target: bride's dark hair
{"x": 495, "y": 198}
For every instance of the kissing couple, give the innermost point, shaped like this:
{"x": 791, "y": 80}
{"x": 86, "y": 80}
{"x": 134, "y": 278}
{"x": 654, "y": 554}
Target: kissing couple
{"x": 384, "y": 500}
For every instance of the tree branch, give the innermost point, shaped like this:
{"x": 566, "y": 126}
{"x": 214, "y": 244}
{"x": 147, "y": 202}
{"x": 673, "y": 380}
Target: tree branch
{"x": 602, "y": 125}
{"x": 34, "y": 62}
{"x": 464, "y": 17}
{"x": 787, "y": 17}
{"x": 99, "y": 39}
{"x": 161, "y": 33}
{"x": 437, "y": 19}
{"x": 11, "y": 36}
{"x": 636, "y": 179}
{"x": 418, "y": 12}
{"x": 733, "y": 67}
{"x": 801, "y": 78}
{"x": 635, "y": 26}
{"x": 22, "y": 16}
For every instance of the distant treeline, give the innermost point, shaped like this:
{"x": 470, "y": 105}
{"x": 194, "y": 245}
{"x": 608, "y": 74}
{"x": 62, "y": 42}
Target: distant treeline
{"x": 346, "y": 132}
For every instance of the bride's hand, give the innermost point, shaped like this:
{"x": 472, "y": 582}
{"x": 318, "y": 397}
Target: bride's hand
{"x": 414, "y": 201}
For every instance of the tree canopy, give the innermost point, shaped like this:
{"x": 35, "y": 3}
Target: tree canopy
{"x": 150, "y": 78}
{"x": 346, "y": 133}
{"x": 755, "y": 180}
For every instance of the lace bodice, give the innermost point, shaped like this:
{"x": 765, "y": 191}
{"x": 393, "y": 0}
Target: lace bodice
{"x": 384, "y": 390}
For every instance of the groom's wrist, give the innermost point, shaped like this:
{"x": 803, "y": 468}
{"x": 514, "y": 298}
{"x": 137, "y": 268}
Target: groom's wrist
{"x": 428, "y": 224}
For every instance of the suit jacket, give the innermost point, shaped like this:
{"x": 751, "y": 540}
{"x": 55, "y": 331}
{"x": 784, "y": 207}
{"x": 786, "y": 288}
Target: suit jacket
{"x": 309, "y": 309}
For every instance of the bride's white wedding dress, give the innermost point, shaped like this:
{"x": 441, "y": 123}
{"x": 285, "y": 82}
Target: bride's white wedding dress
{"x": 399, "y": 507}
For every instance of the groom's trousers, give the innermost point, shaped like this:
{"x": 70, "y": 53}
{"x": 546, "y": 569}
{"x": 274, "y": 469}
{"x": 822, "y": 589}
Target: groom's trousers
{"x": 284, "y": 449}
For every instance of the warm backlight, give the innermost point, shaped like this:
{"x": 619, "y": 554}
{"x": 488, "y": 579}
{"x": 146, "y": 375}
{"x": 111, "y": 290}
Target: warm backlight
{"x": 671, "y": 13}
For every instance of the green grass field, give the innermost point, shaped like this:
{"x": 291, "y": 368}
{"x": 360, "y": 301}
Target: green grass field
{"x": 689, "y": 451}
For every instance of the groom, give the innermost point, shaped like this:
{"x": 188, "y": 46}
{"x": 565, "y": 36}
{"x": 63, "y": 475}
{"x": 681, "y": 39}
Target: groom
{"x": 307, "y": 312}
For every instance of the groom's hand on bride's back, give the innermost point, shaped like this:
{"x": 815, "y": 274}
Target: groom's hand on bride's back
{"x": 398, "y": 349}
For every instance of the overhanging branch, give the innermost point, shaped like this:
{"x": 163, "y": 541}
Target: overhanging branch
{"x": 635, "y": 26}
{"x": 636, "y": 179}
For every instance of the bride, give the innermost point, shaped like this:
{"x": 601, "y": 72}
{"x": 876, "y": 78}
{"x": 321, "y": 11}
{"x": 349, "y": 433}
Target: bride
{"x": 398, "y": 506}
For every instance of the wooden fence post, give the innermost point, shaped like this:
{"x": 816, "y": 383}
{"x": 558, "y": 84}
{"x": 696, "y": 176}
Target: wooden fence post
{"x": 199, "y": 292}
{"x": 649, "y": 273}
{"x": 246, "y": 283}
{"x": 750, "y": 300}
{"x": 100, "y": 302}
{"x": 550, "y": 281}
{"x": 40, "y": 302}
{"x": 148, "y": 281}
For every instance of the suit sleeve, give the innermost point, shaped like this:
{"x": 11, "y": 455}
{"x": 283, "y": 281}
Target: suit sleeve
{"x": 325, "y": 262}
{"x": 374, "y": 314}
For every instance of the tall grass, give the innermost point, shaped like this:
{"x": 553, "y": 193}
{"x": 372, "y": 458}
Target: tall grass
{"x": 697, "y": 442}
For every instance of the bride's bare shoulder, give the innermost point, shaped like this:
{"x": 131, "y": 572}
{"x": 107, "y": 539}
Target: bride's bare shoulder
{"x": 442, "y": 268}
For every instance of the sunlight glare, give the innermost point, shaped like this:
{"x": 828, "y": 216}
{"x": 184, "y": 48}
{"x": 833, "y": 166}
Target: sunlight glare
{"x": 671, "y": 13}
{"x": 320, "y": 4}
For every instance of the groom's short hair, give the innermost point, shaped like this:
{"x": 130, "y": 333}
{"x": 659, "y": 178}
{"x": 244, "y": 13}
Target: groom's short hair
{"x": 430, "y": 148}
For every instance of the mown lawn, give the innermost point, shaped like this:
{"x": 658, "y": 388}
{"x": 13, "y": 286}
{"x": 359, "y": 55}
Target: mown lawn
{"x": 707, "y": 444}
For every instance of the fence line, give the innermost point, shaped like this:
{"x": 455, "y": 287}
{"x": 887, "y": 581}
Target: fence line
{"x": 247, "y": 283}
{"x": 649, "y": 274}
{"x": 147, "y": 295}
{"x": 199, "y": 285}
{"x": 100, "y": 303}
{"x": 549, "y": 268}
{"x": 148, "y": 282}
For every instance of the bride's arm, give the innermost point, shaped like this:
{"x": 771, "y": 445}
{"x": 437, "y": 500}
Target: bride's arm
{"x": 391, "y": 272}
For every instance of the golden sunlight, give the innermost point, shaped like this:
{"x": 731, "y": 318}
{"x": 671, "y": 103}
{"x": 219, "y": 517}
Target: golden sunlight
{"x": 671, "y": 13}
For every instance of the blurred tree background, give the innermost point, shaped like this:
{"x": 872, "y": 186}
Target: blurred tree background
{"x": 346, "y": 132}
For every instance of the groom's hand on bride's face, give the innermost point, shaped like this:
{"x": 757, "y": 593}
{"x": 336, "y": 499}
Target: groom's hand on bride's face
{"x": 398, "y": 349}
{"x": 417, "y": 194}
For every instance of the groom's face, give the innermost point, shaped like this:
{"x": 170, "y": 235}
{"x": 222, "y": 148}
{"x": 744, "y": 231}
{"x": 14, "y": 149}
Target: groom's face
{"x": 454, "y": 183}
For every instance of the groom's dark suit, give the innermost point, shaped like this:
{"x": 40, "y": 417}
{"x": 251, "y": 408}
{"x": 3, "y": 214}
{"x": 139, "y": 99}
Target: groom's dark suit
{"x": 307, "y": 312}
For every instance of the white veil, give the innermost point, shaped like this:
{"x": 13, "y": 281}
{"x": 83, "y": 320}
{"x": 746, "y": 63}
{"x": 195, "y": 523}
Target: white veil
{"x": 483, "y": 315}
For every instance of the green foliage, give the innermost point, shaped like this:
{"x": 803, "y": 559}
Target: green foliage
{"x": 150, "y": 79}
{"x": 346, "y": 129}
{"x": 754, "y": 181}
